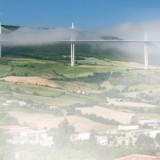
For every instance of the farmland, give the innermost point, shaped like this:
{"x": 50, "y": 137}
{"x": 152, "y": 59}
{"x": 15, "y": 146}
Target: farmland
{"x": 95, "y": 96}
{"x": 78, "y": 90}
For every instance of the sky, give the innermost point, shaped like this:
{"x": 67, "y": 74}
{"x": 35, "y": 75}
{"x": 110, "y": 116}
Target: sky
{"x": 88, "y": 14}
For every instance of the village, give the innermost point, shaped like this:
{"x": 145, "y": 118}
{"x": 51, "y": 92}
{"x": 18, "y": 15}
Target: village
{"x": 145, "y": 133}
{"x": 140, "y": 131}
{"x": 124, "y": 135}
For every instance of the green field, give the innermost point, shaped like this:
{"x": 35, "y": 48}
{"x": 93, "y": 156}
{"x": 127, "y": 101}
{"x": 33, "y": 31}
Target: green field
{"x": 85, "y": 85}
{"x": 40, "y": 90}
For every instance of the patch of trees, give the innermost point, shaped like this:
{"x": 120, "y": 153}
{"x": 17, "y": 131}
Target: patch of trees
{"x": 95, "y": 78}
{"x": 25, "y": 65}
{"x": 128, "y": 80}
{"x": 5, "y": 119}
{"x": 99, "y": 119}
{"x": 149, "y": 98}
{"x": 17, "y": 74}
{"x": 62, "y": 134}
{"x": 58, "y": 51}
{"x": 11, "y": 27}
{"x": 144, "y": 141}
{"x": 133, "y": 78}
{"x": 61, "y": 52}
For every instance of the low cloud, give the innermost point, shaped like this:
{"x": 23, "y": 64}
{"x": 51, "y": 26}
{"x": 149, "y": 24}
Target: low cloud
{"x": 37, "y": 36}
{"x": 135, "y": 31}
{"x": 128, "y": 31}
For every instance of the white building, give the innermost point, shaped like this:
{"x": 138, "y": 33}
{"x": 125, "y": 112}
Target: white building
{"x": 154, "y": 123}
{"x": 80, "y": 136}
{"x": 102, "y": 140}
{"x": 152, "y": 133}
{"x": 128, "y": 127}
{"x": 24, "y": 135}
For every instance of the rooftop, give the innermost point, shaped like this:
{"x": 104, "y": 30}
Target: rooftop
{"x": 139, "y": 157}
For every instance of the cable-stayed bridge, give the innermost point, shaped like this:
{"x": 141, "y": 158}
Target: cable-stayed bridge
{"x": 73, "y": 42}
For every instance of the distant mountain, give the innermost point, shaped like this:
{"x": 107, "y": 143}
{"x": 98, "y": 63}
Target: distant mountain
{"x": 9, "y": 28}
{"x": 111, "y": 38}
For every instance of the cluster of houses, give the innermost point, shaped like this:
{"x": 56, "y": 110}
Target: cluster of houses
{"x": 24, "y": 135}
{"x": 148, "y": 122}
{"x": 124, "y": 135}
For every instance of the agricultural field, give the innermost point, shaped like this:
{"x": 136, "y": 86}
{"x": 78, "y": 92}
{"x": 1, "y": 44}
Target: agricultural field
{"x": 40, "y": 91}
{"x": 121, "y": 117}
{"x": 93, "y": 98}
{"x": 41, "y": 121}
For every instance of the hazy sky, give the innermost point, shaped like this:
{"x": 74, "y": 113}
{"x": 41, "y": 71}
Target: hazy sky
{"x": 92, "y": 14}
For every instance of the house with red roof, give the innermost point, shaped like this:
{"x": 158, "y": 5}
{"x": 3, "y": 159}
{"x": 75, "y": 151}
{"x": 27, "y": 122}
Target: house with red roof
{"x": 139, "y": 157}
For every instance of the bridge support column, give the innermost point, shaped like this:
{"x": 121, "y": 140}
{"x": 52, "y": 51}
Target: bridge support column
{"x": 145, "y": 55}
{"x": 72, "y": 54}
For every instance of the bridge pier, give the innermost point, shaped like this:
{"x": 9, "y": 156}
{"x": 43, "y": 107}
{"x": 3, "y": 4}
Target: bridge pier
{"x": 145, "y": 55}
{"x": 72, "y": 54}
{"x": 72, "y": 47}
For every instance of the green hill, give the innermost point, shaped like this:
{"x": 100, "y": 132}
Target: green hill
{"x": 40, "y": 90}
{"x": 61, "y": 51}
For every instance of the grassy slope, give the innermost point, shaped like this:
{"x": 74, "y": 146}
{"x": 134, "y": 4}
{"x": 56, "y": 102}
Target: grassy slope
{"x": 65, "y": 97}
{"x": 131, "y": 83}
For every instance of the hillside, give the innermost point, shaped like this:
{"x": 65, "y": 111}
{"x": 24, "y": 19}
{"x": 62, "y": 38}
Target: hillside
{"x": 41, "y": 75}
{"x": 91, "y": 82}
{"x": 61, "y": 51}
{"x": 41, "y": 93}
